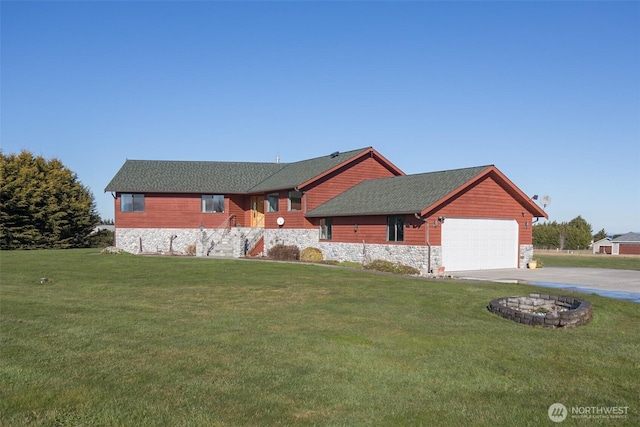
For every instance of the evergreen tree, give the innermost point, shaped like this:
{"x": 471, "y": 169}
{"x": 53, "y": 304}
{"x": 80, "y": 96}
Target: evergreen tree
{"x": 600, "y": 235}
{"x": 42, "y": 204}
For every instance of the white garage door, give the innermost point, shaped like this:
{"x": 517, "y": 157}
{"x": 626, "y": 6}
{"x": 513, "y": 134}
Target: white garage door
{"x": 479, "y": 244}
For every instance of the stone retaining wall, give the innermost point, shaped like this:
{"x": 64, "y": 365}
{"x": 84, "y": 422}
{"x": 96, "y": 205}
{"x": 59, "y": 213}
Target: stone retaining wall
{"x": 562, "y": 311}
{"x": 363, "y": 253}
{"x": 159, "y": 240}
{"x": 181, "y": 241}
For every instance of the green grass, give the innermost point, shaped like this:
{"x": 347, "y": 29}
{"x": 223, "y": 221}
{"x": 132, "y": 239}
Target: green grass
{"x": 591, "y": 261}
{"x": 122, "y": 340}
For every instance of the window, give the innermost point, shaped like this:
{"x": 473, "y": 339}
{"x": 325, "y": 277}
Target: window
{"x": 325, "y": 228}
{"x": 212, "y": 203}
{"x": 272, "y": 202}
{"x": 395, "y": 228}
{"x": 295, "y": 201}
{"x": 132, "y": 203}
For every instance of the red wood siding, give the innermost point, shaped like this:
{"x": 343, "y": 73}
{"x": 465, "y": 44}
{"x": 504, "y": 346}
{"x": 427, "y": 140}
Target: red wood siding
{"x": 236, "y": 205}
{"x": 485, "y": 199}
{"x": 292, "y": 219}
{"x": 344, "y": 178}
{"x": 629, "y": 249}
{"x": 171, "y": 211}
{"x": 373, "y": 229}
{"x": 258, "y": 248}
{"x": 325, "y": 189}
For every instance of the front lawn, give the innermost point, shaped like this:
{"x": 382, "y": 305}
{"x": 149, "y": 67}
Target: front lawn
{"x": 617, "y": 262}
{"x": 129, "y": 340}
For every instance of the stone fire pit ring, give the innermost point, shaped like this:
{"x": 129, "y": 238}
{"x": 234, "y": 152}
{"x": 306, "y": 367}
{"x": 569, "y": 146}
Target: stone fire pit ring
{"x": 546, "y": 310}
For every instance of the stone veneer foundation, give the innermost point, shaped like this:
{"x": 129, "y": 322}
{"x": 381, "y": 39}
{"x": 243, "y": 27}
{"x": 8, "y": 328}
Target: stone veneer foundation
{"x": 150, "y": 240}
{"x": 546, "y": 310}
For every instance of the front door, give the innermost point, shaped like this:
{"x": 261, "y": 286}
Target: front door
{"x": 257, "y": 211}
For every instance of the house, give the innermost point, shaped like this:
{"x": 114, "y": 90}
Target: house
{"x": 627, "y": 244}
{"x": 602, "y": 246}
{"x": 354, "y": 206}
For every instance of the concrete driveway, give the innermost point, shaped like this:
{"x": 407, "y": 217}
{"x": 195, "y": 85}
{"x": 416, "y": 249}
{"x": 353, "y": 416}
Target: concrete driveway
{"x": 621, "y": 284}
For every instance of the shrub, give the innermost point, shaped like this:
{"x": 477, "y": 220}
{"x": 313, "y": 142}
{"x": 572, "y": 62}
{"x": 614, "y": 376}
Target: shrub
{"x": 101, "y": 239}
{"x": 351, "y": 264}
{"x": 283, "y": 252}
{"x": 311, "y": 255}
{"x": 391, "y": 267}
{"x": 191, "y": 249}
{"x": 111, "y": 250}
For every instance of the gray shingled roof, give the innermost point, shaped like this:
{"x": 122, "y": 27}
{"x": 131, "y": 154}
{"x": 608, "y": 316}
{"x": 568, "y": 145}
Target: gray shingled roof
{"x": 398, "y": 195}
{"x": 294, "y": 174}
{"x": 165, "y": 176}
{"x": 628, "y": 238}
{"x": 190, "y": 176}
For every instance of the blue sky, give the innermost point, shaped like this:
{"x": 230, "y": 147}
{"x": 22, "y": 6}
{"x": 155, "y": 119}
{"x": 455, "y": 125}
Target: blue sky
{"x": 549, "y": 92}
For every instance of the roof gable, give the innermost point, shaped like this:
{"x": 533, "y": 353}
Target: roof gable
{"x": 601, "y": 241}
{"x": 415, "y": 193}
{"x": 301, "y": 173}
{"x": 397, "y": 195}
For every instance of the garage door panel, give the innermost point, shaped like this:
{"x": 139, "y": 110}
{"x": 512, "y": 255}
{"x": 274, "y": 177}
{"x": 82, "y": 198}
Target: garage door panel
{"x": 478, "y": 244}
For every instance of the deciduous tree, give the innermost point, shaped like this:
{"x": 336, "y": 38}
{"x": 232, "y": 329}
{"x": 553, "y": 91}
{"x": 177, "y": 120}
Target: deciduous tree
{"x": 572, "y": 235}
{"x": 578, "y": 234}
{"x": 546, "y": 235}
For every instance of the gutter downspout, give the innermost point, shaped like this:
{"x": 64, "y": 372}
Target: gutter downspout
{"x": 426, "y": 222}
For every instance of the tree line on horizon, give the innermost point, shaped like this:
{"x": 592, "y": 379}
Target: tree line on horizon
{"x": 571, "y": 235}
